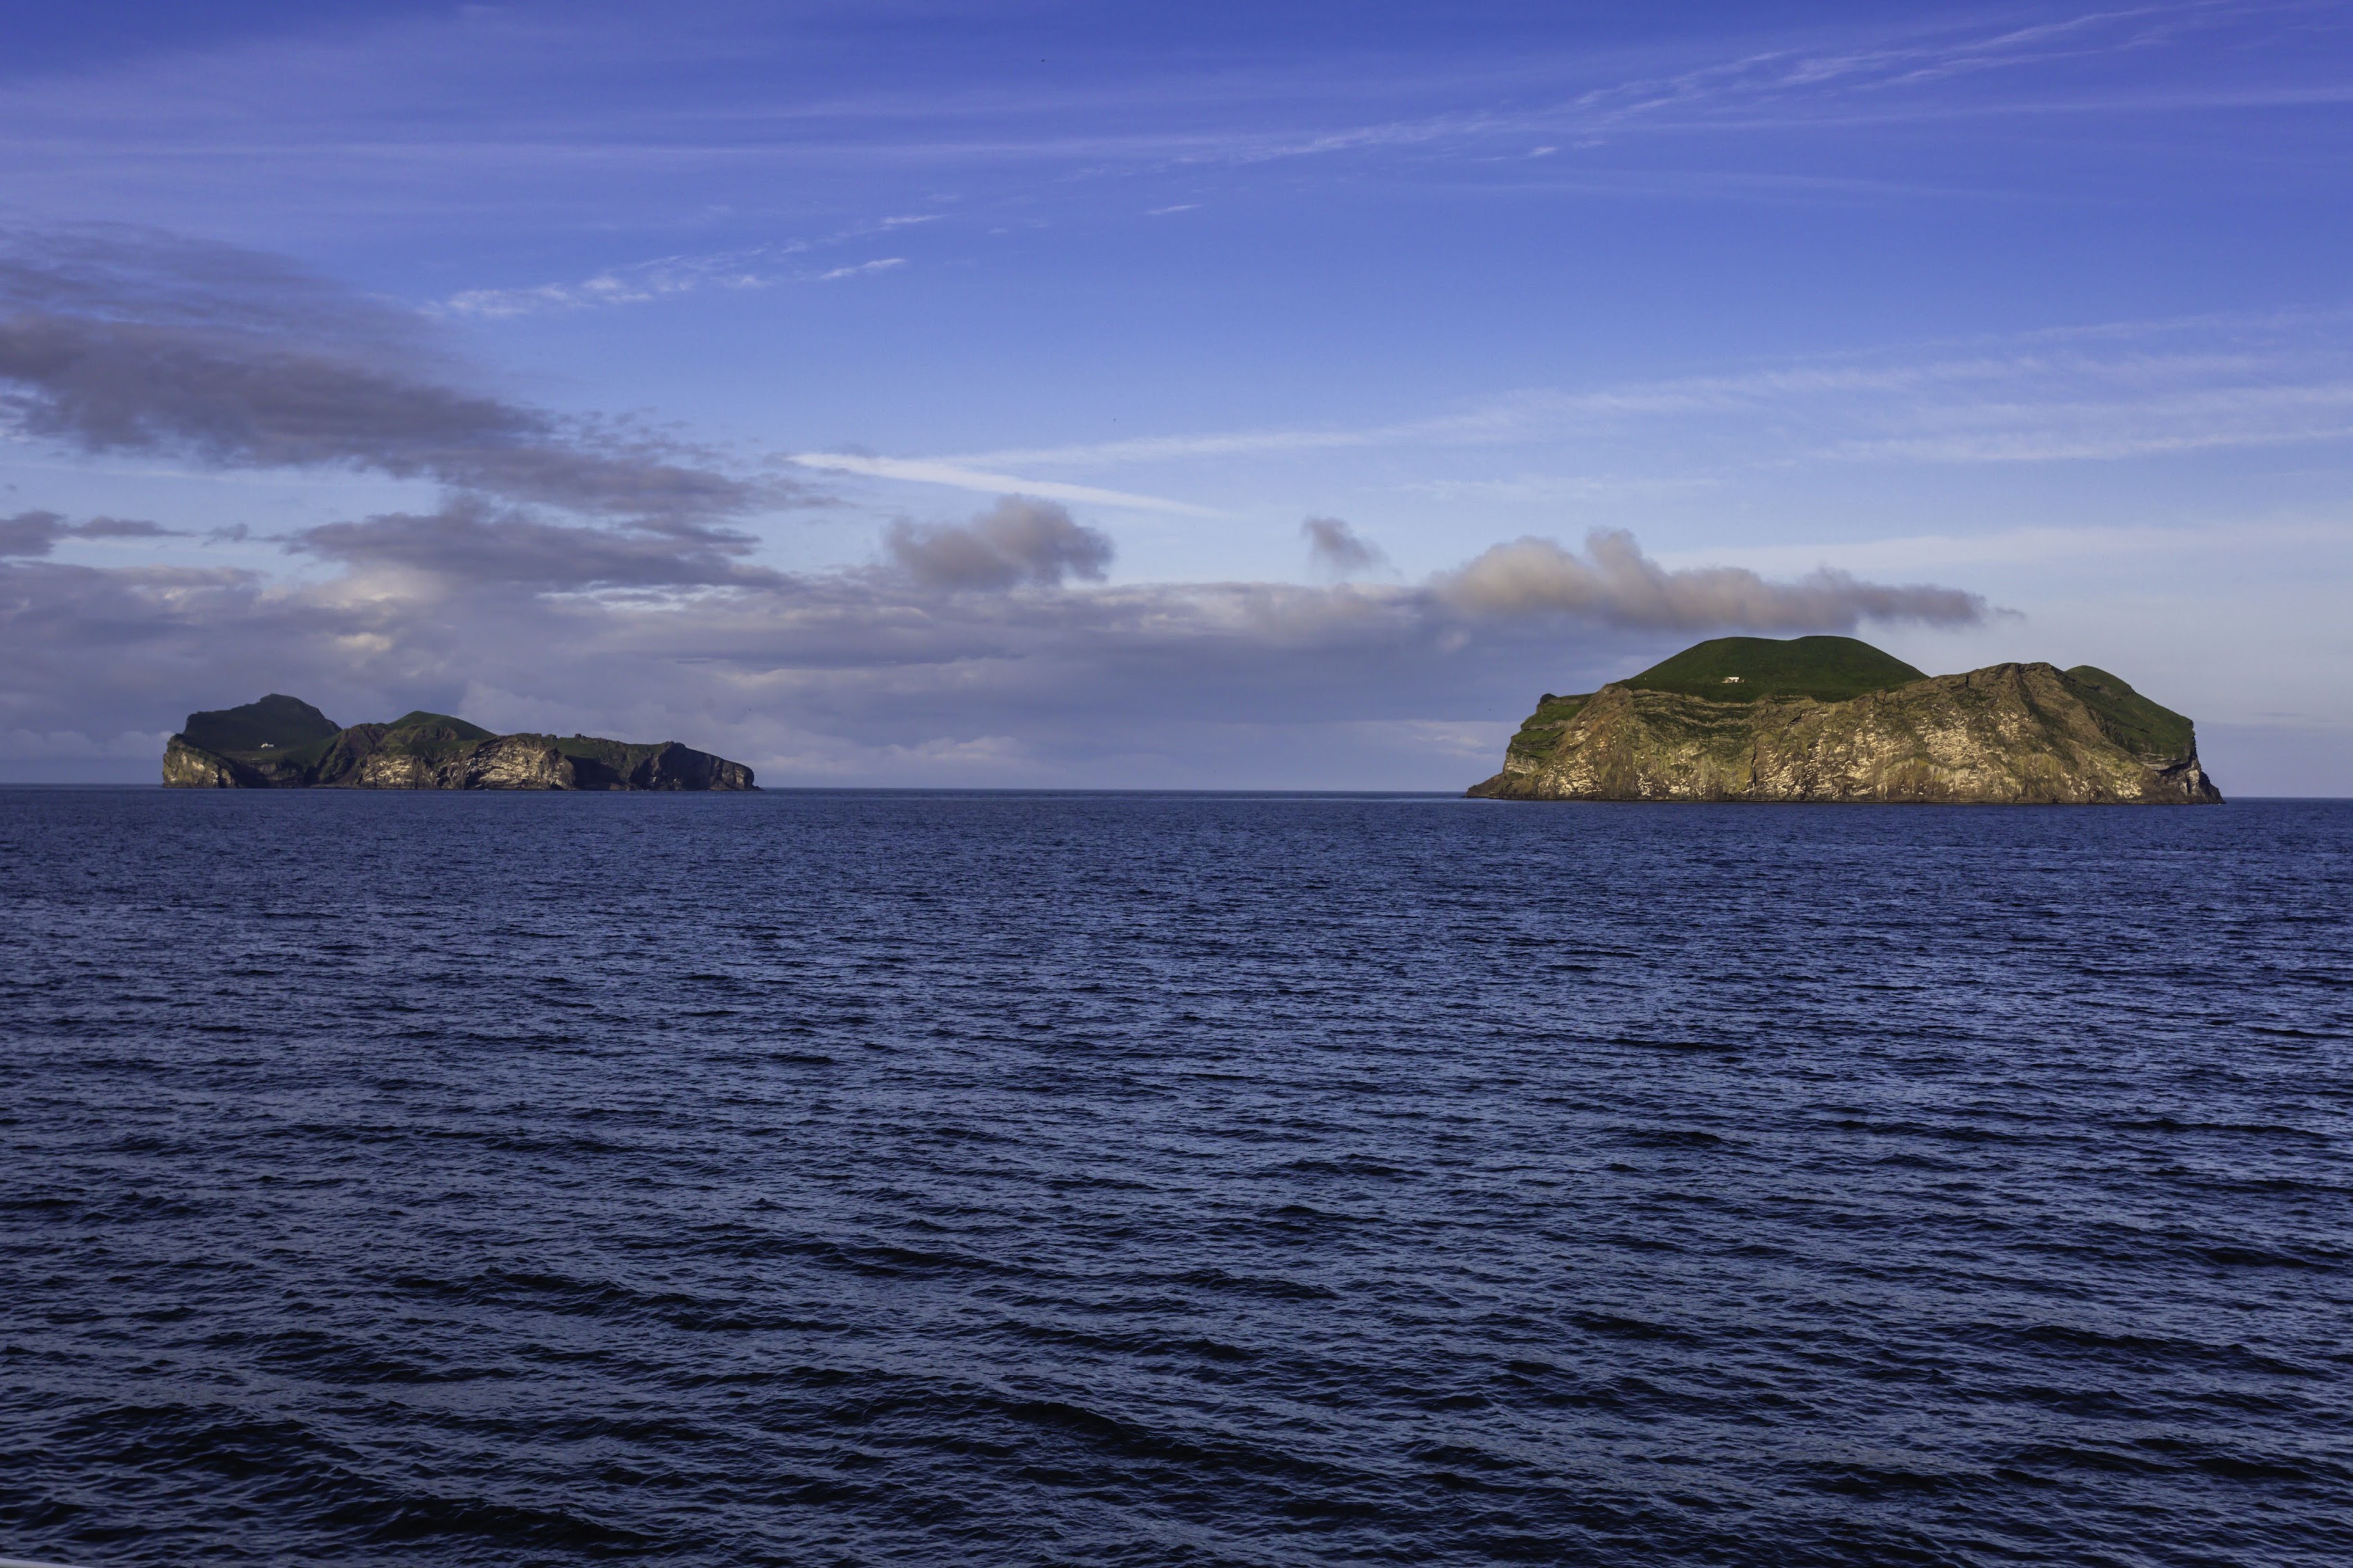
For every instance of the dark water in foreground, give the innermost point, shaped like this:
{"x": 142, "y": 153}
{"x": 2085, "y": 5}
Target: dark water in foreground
{"x": 813, "y": 1179}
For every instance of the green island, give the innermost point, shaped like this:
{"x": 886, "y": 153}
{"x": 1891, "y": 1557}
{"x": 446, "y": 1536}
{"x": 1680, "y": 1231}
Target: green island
{"x": 1832, "y": 719}
{"x": 283, "y": 743}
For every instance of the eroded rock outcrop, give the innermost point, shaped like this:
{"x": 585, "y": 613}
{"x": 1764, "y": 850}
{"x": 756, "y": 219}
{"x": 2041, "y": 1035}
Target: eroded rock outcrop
{"x": 2010, "y": 733}
{"x": 191, "y": 767}
{"x": 282, "y": 744}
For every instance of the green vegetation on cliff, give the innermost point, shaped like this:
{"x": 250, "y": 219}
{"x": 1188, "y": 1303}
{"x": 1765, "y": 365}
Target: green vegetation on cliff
{"x": 1543, "y": 727}
{"x": 435, "y": 727}
{"x": 1830, "y": 719}
{"x": 1742, "y": 670}
{"x": 2132, "y": 721}
{"x": 427, "y": 735}
{"x": 276, "y": 723}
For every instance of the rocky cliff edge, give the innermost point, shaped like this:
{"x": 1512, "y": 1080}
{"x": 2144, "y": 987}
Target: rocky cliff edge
{"x": 2010, "y": 733}
{"x": 281, "y": 742}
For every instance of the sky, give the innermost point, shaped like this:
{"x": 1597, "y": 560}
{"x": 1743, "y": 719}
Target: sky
{"x": 1203, "y": 395}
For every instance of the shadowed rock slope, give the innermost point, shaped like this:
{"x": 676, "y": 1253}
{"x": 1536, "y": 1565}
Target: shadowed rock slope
{"x": 1832, "y": 719}
{"x": 281, "y": 742}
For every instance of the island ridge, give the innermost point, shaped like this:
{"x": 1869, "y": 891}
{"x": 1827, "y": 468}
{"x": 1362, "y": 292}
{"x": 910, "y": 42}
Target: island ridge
{"x": 1830, "y": 719}
{"x": 282, "y": 743}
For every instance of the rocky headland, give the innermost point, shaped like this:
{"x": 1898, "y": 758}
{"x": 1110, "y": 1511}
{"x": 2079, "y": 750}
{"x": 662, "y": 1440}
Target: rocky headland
{"x": 282, "y": 743}
{"x": 1832, "y": 719}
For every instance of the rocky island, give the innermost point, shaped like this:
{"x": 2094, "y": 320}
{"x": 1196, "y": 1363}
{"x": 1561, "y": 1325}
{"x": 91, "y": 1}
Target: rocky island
{"x": 1833, "y": 719}
{"x": 282, "y": 743}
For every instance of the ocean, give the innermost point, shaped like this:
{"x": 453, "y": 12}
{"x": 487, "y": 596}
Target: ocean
{"x": 817, "y": 1178}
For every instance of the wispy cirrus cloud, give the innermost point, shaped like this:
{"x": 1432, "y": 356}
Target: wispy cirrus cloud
{"x": 1899, "y": 71}
{"x": 667, "y": 277}
{"x": 2098, "y": 392}
{"x": 2163, "y": 421}
{"x": 530, "y": 122}
{"x": 956, "y": 475}
{"x": 2305, "y": 540}
{"x": 861, "y": 268}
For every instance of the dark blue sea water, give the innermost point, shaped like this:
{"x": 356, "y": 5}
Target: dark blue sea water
{"x": 869, "y": 1178}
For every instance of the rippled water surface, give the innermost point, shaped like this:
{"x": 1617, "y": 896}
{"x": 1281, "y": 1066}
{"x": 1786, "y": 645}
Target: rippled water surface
{"x": 841, "y": 1178}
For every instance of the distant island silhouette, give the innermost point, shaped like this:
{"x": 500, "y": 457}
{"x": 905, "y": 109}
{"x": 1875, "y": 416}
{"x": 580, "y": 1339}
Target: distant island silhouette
{"x": 283, "y": 743}
{"x": 1833, "y": 719}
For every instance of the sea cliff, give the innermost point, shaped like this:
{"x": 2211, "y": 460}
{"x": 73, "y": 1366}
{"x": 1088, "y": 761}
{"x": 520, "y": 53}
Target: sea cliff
{"x": 1749, "y": 719}
{"x": 282, "y": 743}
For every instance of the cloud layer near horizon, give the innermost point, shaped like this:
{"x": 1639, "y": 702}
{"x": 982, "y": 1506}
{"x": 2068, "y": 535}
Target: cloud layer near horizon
{"x": 855, "y": 673}
{"x": 573, "y": 577}
{"x": 1614, "y": 583}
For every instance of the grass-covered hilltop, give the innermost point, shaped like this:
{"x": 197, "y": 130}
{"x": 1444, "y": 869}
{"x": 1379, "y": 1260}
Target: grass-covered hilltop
{"x": 282, "y": 743}
{"x": 1832, "y": 719}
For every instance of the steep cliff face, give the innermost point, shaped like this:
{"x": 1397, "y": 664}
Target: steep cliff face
{"x": 502, "y": 762}
{"x": 274, "y": 742}
{"x": 2013, "y": 734}
{"x": 279, "y": 743}
{"x": 614, "y": 765}
{"x": 193, "y": 767}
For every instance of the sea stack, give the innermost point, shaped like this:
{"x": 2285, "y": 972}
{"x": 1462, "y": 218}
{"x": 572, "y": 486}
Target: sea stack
{"x": 1829, "y": 719}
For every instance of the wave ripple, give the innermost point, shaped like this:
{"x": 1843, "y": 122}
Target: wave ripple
{"x": 873, "y": 1178}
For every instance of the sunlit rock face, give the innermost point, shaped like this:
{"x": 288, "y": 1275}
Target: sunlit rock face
{"x": 1844, "y": 722}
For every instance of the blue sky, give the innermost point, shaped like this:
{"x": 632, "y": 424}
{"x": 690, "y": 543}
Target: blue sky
{"x": 666, "y": 371}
